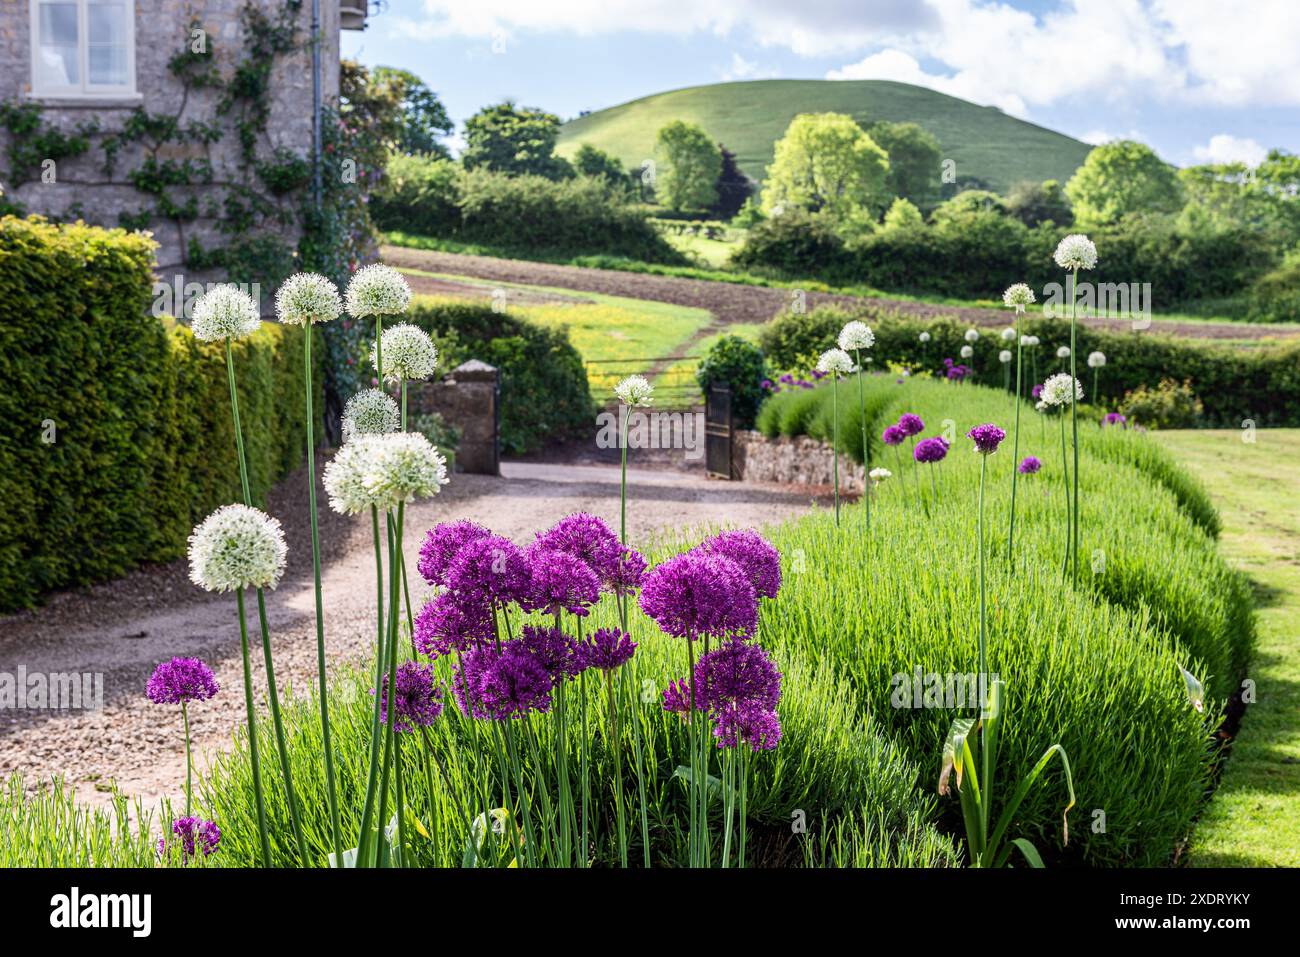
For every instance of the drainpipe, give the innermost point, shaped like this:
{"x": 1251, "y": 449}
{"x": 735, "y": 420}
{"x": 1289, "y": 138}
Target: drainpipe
{"x": 315, "y": 103}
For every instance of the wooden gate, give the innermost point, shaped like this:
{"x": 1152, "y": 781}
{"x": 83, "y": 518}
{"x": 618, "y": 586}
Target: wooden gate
{"x": 718, "y": 432}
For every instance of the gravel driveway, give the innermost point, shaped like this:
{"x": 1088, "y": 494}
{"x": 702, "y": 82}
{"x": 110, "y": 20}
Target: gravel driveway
{"x": 124, "y": 628}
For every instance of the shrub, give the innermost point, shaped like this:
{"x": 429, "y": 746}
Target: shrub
{"x": 1170, "y": 405}
{"x": 1275, "y": 296}
{"x": 98, "y": 467}
{"x": 795, "y": 242}
{"x": 1233, "y": 384}
{"x": 740, "y": 365}
{"x": 577, "y": 215}
{"x": 544, "y": 394}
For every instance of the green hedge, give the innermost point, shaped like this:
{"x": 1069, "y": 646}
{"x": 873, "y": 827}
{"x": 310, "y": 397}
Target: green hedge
{"x": 143, "y": 445}
{"x": 580, "y": 215}
{"x": 544, "y": 393}
{"x": 1235, "y": 384}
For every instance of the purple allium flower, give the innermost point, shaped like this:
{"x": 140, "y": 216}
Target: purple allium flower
{"x": 747, "y": 723}
{"x": 585, "y": 537}
{"x": 557, "y": 652}
{"x": 692, "y": 595}
{"x": 677, "y": 697}
{"x": 766, "y": 385}
{"x": 440, "y": 546}
{"x": 449, "y": 622}
{"x": 607, "y": 649}
{"x": 489, "y": 567}
{"x": 1037, "y": 391}
{"x": 893, "y": 435}
{"x": 737, "y": 672}
{"x": 559, "y": 582}
{"x": 911, "y": 424}
{"x": 505, "y": 684}
{"x": 193, "y": 834}
{"x": 957, "y": 372}
{"x": 788, "y": 378}
{"x": 755, "y": 556}
{"x": 1029, "y": 465}
{"x": 986, "y": 437}
{"x": 181, "y": 679}
{"x": 1114, "y": 418}
{"x": 628, "y": 573}
{"x": 418, "y": 697}
{"x": 933, "y": 449}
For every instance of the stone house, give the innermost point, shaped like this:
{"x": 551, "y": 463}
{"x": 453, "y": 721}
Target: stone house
{"x": 193, "y": 119}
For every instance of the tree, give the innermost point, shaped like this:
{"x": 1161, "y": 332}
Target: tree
{"x": 1034, "y": 203}
{"x": 734, "y": 188}
{"x": 903, "y": 214}
{"x": 966, "y": 204}
{"x": 689, "y": 166}
{"x": 914, "y": 158}
{"x": 424, "y": 120}
{"x": 596, "y": 163}
{"x": 826, "y": 163}
{"x": 514, "y": 140}
{"x": 1120, "y": 178}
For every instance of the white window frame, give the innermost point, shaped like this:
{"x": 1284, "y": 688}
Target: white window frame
{"x": 84, "y": 90}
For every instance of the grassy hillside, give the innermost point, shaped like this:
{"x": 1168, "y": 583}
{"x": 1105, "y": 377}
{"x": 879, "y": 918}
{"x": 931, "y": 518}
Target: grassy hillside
{"x": 749, "y": 117}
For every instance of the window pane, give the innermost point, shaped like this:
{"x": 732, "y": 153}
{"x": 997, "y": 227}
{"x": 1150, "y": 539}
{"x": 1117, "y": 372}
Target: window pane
{"x": 107, "y": 65}
{"x": 58, "y": 24}
{"x": 106, "y": 23}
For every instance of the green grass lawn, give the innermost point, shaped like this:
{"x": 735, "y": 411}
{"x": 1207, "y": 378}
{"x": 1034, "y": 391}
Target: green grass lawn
{"x": 1254, "y": 819}
{"x": 749, "y": 117}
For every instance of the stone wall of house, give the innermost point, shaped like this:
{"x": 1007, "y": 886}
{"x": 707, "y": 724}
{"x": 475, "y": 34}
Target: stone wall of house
{"x": 796, "y": 461}
{"x": 162, "y": 29}
{"x": 467, "y": 398}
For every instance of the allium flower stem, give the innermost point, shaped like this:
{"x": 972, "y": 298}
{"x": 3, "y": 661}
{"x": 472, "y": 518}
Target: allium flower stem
{"x": 692, "y": 725}
{"x": 586, "y": 763}
{"x": 390, "y": 664}
{"x": 331, "y": 786}
{"x": 1015, "y": 453}
{"x": 866, "y": 454}
{"x": 835, "y": 440}
{"x": 1069, "y": 516}
{"x": 290, "y": 797}
{"x": 744, "y": 805}
{"x": 253, "y": 757}
{"x": 622, "y": 494}
{"x": 367, "y": 813}
{"x": 898, "y": 458}
{"x": 615, "y": 745}
{"x": 983, "y": 650}
{"x": 634, "y": 705}
{"x": 1074, "y": 423}
{"x": 189, "y": 765}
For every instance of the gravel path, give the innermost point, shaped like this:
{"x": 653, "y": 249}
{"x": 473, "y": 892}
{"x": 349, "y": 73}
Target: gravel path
{"x": 122, "y": 629}
{"x": 735, "y": 302}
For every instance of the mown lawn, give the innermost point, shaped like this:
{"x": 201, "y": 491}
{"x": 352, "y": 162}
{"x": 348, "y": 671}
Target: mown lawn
{"x": 1254, "y": 819}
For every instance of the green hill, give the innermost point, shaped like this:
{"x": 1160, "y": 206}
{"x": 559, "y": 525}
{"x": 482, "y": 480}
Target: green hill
{"x": 749, "y": 117}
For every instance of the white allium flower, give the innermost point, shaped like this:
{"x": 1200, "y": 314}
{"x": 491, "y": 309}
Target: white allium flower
{"x": 1040, "y": 405}
{"x": 635, "y": 390}
{"x": 1026, "y": 341}
{"x": 237, "y": 547}
{"x": 307, "y": 297}
{"x": 1004, "y": 355}
{"x": 1076, "y": 252}
{"x": 856, "y": 335}
{"x": 1096, "y": 360}
{"x": 402, "y": 466}
{"x": 370, "y": 412}
{"x": 345, "y": 476}
{"x": 924, "y": 337}
{"x": 378, "y": 290}
{"x": 967, "y": 352}
{"x": 409, "y": 353}
{"x": 1008, "y": 334}
{"x": 972, "y": 335}
{"x": 1057, "y": 391}
{"x": 225, "y": 311}
{"x": 1063, "y": 352}
{"x": 879, "y": 475}
{"x": 1035, "y": 341}
{"x": 1018, "y": 295}
{"x": 835, "y": 360}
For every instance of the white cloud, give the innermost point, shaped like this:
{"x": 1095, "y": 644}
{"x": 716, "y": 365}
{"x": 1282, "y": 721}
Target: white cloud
{"x": 742, "y": 69}
{"x": 904, "y": 68}
{"x": 1226, "y": 148}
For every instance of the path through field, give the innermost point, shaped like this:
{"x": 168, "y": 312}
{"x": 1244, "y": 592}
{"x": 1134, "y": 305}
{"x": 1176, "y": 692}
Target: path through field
{"x": 1254, "y": 819}
{"x": 122, "y": 629}
{"x": 734, "y": 302}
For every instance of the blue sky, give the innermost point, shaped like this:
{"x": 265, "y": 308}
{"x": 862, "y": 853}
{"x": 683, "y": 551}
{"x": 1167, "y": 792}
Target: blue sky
{"x": 1196, "y": 83}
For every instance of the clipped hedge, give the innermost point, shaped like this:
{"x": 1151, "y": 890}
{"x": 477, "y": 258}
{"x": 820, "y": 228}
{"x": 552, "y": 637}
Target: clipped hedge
{"x": 1260, "y": 385}
{"x": 137, "y": 411}
{"x": 544, "y": 393}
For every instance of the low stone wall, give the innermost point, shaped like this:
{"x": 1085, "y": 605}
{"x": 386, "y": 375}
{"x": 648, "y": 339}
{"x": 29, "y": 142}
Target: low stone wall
{"x": 796, "y": 461}
{"x": 467, "y": 398}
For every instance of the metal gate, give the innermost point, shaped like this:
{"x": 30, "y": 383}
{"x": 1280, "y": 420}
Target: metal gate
{"x": 717, "y": 432}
